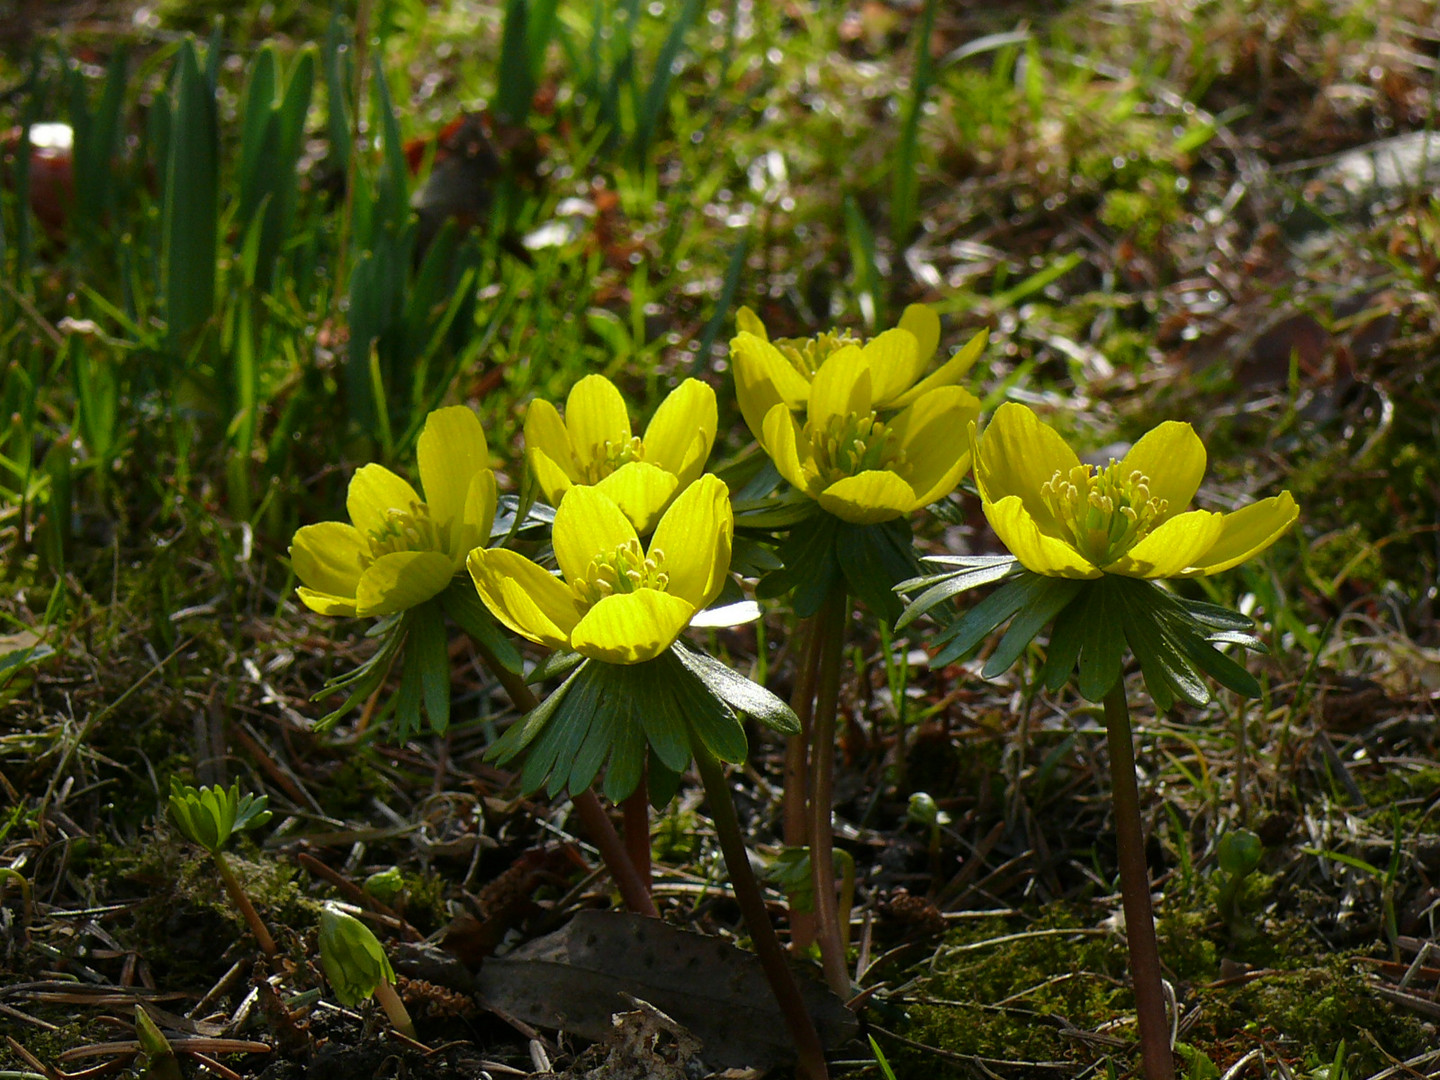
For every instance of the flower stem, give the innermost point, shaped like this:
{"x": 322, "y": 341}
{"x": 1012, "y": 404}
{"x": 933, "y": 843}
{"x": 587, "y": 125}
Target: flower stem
{"x": 596, "y": 822}
{"x": 830, "y": 634}
{"x": 1155, "y": 1054}
{"x": 795, "y": 803}
{"x": 752, "y": 906}
{"x": 636, "y": 811}
{"x": 395, "y": 1009}
{"x": 242, "y": 901}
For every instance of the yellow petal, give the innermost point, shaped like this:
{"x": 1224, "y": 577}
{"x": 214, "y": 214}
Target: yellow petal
{"x": 1173, "y": 458}
{"x": 787, "y": 446}
{"x": 630, "y": 628}
{"x": 596, "y": 417}
{"x": 868, "y": 498}
{"x": 400, "y": 580}
{"x": 1247, "y": 532}
{"x": 324, "y": 603}
{"x": 587, "y": 524}
{"x": 948, "y": 373}
{"x": 748, "y": 322}
{"x": 1037, "y": 552}
{"x": 545, "y": 433}
{"x": 692, "y": 464}
{"x": 473, "y": 528}
{"x": 326, "y": 557}
{"x": 894, "y": 360}
{"x": 641, "y": 491}
{"x": 843, "y": 386}
{"x": 374, "y": 490}
{"x": 686, "y": 410}
{"x": 695, "y": 537}
{"x": 933, "y": 434}
{"x": 1017, "y": 455}
{"x": 921, "y": 320}
{"x": 450, "y": 451}
{"x": 763, "y": 379}
{"x": 524, "y": 596}
{"x": 550, "y": 477}
{"x": 1171, "y": 547}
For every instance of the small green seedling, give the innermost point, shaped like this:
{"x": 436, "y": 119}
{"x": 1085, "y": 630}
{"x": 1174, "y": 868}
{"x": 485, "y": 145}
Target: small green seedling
{"x": 387, "y": 886}
{"x": 357, "y": 967}
{"x": 160, "y": 1060}
{"x": 925, "y": 812}
{"x": 1239, "y": 854}
{"x": 208, "y": 816}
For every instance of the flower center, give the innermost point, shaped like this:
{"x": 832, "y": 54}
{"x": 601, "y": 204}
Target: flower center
{"x": 1104, "y": 512}
{"x": 609, "y": 455}
{"x": 854, "y": 443}
{"x": 807, "y": 354}
{"x": 624, "y": 570}
{"x": 407, "y": 530}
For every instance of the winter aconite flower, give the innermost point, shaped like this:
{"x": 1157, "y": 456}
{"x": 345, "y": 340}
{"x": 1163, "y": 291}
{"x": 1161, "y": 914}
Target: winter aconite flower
{"x": 860, "y": 466}
{"x": 615, "y": 601}
{"x": 769, "y": 372}
{"x": 593, "y": 446}
{"x": 400, "y": 550}
{"x": 1063, "y": 519}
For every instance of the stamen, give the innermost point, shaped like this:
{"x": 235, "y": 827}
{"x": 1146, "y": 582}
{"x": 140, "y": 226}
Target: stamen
{"x": 854, "y": 443}
{"x": 624, "y": 570}
{"x": 406, "y": 530}
{"x": 807, "y": 354}
{"x": 608, "y": 456}
{"x": 1103, "y": 513}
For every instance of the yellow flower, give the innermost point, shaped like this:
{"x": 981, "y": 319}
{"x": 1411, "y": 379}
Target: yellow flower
{"x": 770, "y": 372}
{"x": 400, "y": 551}
{"x": 1064, "y": 519}
{"x": 593, "y": 446}
{"x": 615, "y": 601}
{"x": 858, "y": 466}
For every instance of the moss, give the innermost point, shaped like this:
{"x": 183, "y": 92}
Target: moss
{"x": 1301, "y": 1005}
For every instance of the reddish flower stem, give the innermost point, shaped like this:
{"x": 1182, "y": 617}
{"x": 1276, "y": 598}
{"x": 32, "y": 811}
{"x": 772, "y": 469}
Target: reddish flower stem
{"x": 1155, "y": 1054}
{"x": 830, "y": 643}
{"x": 593, "y": 818}
{"x": 811, "y": 1053}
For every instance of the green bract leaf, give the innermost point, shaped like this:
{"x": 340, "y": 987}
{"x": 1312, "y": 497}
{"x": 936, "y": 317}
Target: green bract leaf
{"x": 1102, "y": 649}
{"x": 462, "y": 603}
{"x": 810, "y": 570}
{"x": 742, "y": 695}
{"x": 972, "y": 571}
{"x": 428, "y": 647}
{"x": 874, "y": 559}
{"x": 1052, "y": 598}
{"x": 524, "y": 731}
{"x": 962, "y": 636}
{"x": 621, "y": 712}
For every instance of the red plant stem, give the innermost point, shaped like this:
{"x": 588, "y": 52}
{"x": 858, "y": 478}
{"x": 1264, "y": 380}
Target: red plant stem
{"x": 795, "y": 803}
{"x": 1155, "y": 1055}
{"x": 830, "y": 634}
{"x": 593, "y": 818}
{"x": 757, "y": 919}
{"x": 247, "y": 909}
{"x": 636, "y": 810}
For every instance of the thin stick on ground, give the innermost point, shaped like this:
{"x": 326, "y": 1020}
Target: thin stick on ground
{"x": 811, "y": 1053}
{"x": 1155, "y": 1054}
